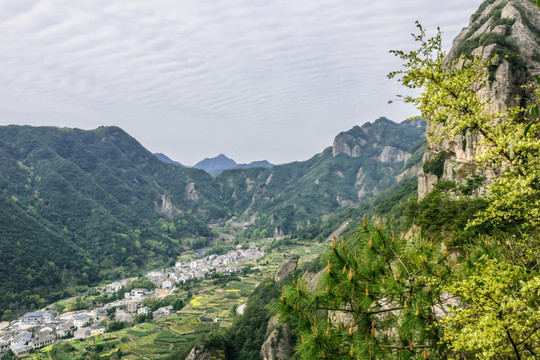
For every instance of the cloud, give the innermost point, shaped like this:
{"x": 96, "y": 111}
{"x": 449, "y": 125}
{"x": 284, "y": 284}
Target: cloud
{"x": 193, "y": 79}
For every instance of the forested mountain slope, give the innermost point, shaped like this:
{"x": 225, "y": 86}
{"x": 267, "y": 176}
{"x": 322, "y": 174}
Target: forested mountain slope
{"x": 288, "y": 197}
{"x": 110, "y": 205}
{"x": 463, "y": 281}
{"x": 91, "y": 202}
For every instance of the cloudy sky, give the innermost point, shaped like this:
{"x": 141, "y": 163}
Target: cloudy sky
{"x": 253, "y": 79}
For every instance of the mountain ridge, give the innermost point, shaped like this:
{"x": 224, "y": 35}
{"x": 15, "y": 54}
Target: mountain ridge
{"x": 220, "y": 163}
{"x": 118, "y": 206}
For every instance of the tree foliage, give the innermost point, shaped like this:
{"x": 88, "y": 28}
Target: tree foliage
{"x": 498, "y": 313}
{"x": 386, "y": 298}
{"x": 379, "y": 299}
{"x": 509, "y": 139}
{"x": 501, "y": 314}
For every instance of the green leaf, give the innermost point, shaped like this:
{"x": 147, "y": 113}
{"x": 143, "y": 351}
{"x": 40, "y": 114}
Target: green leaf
{"x": 538, "y": 3}
{"x": 533, "y": 111}
{"x": 528, "y": 127}
{"x": 537, "y": 77}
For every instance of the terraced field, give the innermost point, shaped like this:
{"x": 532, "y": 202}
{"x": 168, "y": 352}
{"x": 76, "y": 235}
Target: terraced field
{"x": 211, "y": 298}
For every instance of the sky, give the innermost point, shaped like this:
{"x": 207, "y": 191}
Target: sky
{"x": 252, "y": 79}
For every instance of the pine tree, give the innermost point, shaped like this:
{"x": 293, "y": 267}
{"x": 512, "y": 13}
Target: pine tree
{"x": 379, "y": 298}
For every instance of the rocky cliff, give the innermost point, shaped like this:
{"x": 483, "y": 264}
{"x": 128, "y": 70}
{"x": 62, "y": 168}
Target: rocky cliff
{"x": 278, "y": 344}
{"x": 382, "y": 144}
{"x": 201, "y": 352}
{"x": 509, "y": 32}
{"x": 383, "y": 140}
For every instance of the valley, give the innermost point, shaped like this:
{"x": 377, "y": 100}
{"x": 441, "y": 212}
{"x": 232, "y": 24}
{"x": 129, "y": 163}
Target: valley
{"x": 410, "y": 240}
{"x": 99, "y": 206}
{"x": 208, "y": 303}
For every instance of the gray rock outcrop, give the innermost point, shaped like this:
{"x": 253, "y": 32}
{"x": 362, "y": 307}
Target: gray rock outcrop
{"x": 286, "y": 269}
{"x": 391, "y": 154}
{"x": 167, "y": 208}
{"x": 200, "y": 352}
{"x": 503, "y": 90}
{"x": 278, "y": 344}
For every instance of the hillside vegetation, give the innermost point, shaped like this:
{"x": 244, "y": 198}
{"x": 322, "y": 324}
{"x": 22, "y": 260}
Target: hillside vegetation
{"x": 463, "y": 281}
{"x": 96, "y": 205}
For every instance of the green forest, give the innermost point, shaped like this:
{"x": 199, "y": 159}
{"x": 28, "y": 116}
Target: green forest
{"x": 437, "y": 255}
{"x": 452, "y": 275}
{"x": 87, "y": 206}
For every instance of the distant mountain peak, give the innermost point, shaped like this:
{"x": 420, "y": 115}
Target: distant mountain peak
{"x": 220, "y": 163}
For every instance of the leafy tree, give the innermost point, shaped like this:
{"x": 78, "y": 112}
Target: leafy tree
{"x": 449, "y": 100}
{"x": 499, "y": 313}
{"x": 9, "y": 355}
{"x": 116, "y": 325}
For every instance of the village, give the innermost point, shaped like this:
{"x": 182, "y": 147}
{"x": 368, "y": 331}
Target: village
{"x": 35, "y": 330}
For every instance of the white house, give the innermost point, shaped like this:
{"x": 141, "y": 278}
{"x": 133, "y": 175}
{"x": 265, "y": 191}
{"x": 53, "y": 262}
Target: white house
{"x": 49, "y": 316}
{"x": 32, "y": 318}
{"x": 138, "y": 293}
{"x": 144, "y": 310}
{"x": 80, "y": 320}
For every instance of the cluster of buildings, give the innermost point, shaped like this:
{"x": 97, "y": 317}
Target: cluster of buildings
{"x": 41, "y": 328}
{"x": 199, "y": 269}
{"x": 38, "y": 329}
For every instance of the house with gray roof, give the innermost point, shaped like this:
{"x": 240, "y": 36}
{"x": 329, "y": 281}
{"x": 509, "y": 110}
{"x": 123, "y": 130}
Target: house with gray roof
{"x": 80, "y": 320}
{"x": 32, "y": 318}
{"x": 22, "y": 338}
{"x": 49, "y": 316}
{"x": 65, "y": 329}
{"x": 41, "y": 341}
{"x": 162, "y": 312}
{"x": 82, "y": 333}
{"x": 20, "y": 349}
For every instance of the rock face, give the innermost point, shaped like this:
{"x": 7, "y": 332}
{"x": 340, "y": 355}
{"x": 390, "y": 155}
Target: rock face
{"x": 379, "y": 140}
{"x": 382, "y": 145}
{"x": 167, "y": 208}
{"x": 278, "y": 344}
{"x": 191, "y": 192}
{"x": 390, "y": 154}
{"x": 200, "y": 352}
{"x": 505, "y": 27}
{"x": 286, "y": 268}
